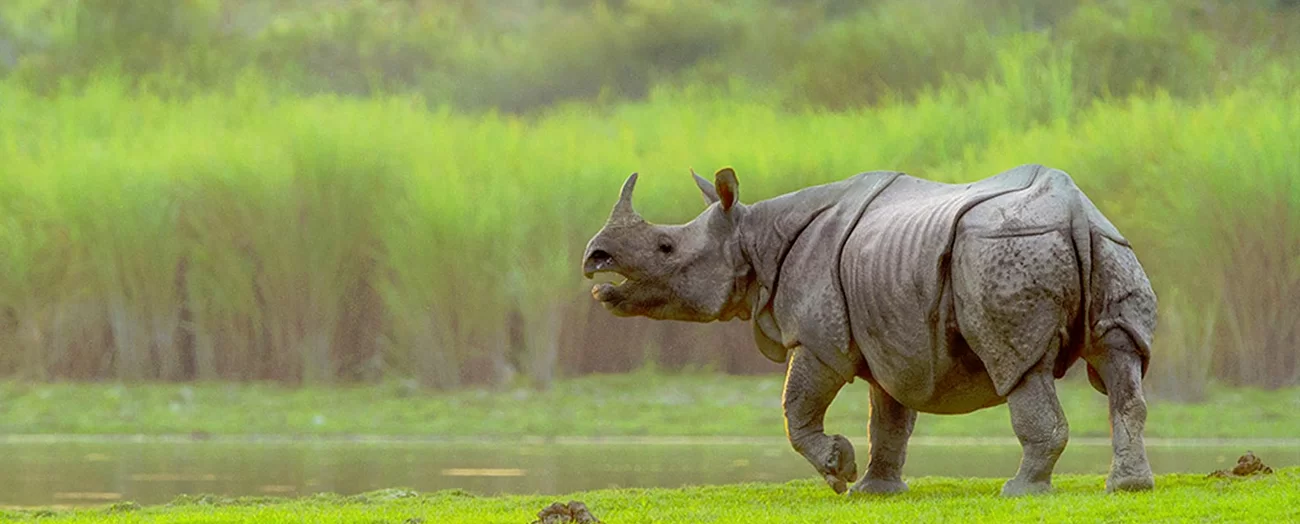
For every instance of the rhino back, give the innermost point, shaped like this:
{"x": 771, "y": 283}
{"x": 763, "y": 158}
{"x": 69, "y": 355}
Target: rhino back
{"x": 896, "y": 274}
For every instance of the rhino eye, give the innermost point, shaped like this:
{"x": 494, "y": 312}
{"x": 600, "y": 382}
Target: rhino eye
{"x": 665, "y": 248}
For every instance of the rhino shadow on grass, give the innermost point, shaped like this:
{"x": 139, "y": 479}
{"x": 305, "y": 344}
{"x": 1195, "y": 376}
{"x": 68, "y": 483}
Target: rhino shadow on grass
{"x": 945, "y": 298}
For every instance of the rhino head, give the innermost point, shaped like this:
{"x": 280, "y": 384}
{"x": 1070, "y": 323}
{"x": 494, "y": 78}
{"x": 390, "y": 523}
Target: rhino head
{"x": 691, "y": 272}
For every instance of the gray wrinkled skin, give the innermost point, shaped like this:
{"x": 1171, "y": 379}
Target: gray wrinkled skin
{"x": 945, "y": 298}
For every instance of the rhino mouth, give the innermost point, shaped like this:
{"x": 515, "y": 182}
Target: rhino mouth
{"x": 618, "y": 284}
{"x": 611, "y": 292}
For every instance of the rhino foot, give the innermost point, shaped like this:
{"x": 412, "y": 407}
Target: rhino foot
{"x": 841, "y": 467}
{"x": 1017, "y": 487}
{"x": 837, "y": 484}
{"x": 879, "y": 486}
{"x": 1130, "y": 483}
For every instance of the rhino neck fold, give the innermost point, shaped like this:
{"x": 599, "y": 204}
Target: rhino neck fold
{"x": 769, "y": 228}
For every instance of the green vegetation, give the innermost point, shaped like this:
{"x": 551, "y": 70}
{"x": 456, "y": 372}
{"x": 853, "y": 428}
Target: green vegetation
{"x": 479, "y": 54}
{"x": 638, "y": 404}
{"x": 1078, "y": 498}
{"x": 250, "y": 236}
{"x": 409, "y": 196}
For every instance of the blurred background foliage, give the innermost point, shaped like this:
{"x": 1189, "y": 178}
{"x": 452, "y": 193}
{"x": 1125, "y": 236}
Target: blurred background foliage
{"x": 323, "y": 191}
{"x": 521, "y": 55}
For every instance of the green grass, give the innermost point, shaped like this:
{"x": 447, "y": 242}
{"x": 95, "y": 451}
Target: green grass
{"x": 252, "y": 231}
{"x": 640, "y": 404}
{"x": 259, "y": 236}
{"x": 1177, "y": 498}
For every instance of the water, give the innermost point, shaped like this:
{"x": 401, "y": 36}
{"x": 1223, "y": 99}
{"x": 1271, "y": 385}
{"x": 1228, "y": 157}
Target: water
{"x": 62, "y": 472}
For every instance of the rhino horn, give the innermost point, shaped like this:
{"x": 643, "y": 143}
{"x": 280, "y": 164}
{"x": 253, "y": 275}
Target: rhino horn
{"x": 623, "y": 212}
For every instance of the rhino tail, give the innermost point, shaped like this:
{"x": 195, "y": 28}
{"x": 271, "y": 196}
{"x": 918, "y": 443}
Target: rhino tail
{"x": 1080, "y": 337}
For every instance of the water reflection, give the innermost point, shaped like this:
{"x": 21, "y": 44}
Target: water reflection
{"x": 73, "y": 473}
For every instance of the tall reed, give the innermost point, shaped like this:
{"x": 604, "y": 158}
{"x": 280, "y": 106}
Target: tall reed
{"x": 253, "y": 235}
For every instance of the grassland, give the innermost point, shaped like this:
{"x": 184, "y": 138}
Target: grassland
{"x": 1177, "y": 498}
{"x": 239, "y": 229}
{"x": 317, "y": 240}
{"x": 639, "y": 404}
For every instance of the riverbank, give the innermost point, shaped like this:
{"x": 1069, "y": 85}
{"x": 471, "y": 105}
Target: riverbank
{"x": 643, "y": 404}
{"x": 1078, "y": 498}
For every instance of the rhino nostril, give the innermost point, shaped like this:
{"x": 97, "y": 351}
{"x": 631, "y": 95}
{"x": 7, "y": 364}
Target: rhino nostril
{"x": 599, "y": 256}
{"x": 598, "y": 260}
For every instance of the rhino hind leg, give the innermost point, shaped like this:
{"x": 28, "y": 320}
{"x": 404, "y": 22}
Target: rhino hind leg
{"x": 890, "y": 428}
{"x": 1015, "y": 296}
{"x": 810, "y": 386}
{"x": 1040, "y": 425}
{"x": 1119, "y": 365}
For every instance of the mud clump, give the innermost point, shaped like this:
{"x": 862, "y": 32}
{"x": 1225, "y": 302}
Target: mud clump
{"x": 1247, "y": 465}
{"x": 123, "y": 507}
{"x": 558, "y": 513}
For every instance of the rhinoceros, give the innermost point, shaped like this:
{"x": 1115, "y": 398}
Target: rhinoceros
{"x": 944, "y": 298}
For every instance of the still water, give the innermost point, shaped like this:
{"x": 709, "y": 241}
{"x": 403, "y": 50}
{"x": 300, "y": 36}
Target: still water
{"x": 152, "y": 472}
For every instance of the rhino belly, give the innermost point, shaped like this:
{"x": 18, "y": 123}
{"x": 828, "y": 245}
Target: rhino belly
{"x": 945, "y": 377}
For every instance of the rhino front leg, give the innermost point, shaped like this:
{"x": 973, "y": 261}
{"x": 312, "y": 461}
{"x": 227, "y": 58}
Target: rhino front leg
{"x": 1120, "y": 367}
{"x": 810, "y": 386}
{"x": 890, "y": 428}
{"x": 1040, "y": 426}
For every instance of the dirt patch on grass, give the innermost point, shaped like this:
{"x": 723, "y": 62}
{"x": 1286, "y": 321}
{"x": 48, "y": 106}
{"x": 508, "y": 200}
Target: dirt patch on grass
{"x": 558, "y": 513}
{"x": 1247, "y": 465}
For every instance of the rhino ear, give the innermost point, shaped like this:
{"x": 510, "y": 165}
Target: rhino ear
{"x": 727, "y": 186}
{"x": 710, "y": 194}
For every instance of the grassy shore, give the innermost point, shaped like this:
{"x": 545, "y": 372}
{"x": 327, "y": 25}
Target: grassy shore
{"x": 1078, "y": 498}
{"x": 638, "y": 404}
